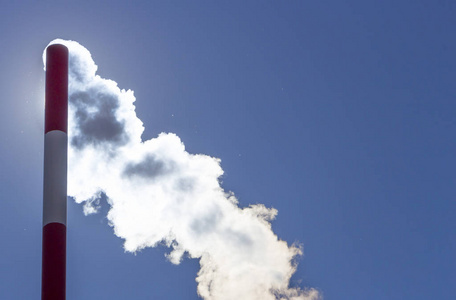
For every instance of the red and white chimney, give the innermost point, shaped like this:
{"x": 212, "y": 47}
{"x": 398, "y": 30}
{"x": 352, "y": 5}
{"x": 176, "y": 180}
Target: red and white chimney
{"x": 55, "y": 174}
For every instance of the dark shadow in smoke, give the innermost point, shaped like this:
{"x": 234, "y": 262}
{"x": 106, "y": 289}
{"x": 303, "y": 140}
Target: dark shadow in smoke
{"x": 185, "y": 184}
{"x": 96, "y": 119}
{"x": 204, "y": 225}
{"x": 150, "y": 167}
{"x": 238, "y": 238}
{"x": 208, "y": 222}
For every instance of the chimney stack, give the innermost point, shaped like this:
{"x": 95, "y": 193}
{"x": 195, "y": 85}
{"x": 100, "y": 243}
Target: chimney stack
{"x": 53, "y": 279}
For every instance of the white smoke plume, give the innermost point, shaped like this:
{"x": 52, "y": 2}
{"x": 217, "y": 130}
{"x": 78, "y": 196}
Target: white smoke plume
{"x": 160, "y": 194}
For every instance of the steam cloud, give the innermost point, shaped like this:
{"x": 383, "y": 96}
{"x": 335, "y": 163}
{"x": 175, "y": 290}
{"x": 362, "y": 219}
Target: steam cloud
{"x": 159, "y": 193}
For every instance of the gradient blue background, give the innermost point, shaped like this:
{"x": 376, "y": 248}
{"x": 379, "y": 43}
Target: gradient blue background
{"x": 340, "y": 114}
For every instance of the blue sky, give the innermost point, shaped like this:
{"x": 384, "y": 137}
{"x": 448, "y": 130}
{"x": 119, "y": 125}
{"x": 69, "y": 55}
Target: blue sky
{"x": 338, "y": 114}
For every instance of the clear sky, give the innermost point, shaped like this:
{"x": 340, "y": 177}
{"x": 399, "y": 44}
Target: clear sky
{"x": 339, "y": 114}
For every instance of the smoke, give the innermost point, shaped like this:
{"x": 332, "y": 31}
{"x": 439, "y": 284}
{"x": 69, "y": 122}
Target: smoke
{"x": 160, "y": 194}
